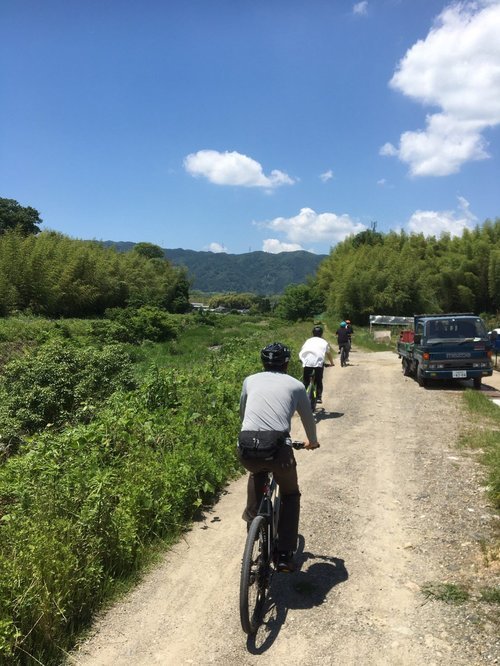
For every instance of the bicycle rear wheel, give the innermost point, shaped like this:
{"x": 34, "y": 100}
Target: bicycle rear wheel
{"x": 343, "y": 359}
{"x": 254, "y": 581}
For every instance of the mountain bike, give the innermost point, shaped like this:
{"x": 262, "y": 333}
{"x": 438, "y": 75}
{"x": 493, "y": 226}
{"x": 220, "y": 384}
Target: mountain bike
{"x": 261, "y": 554}
{"x": 312, "y": 390}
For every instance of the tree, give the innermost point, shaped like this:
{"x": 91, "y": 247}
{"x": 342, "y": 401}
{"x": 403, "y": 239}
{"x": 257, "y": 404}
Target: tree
{"x": 301, "y": 301}
{"x": 22, "y": 218}
{"x": 149, "y": 250}
{"x": 233, "y": 301}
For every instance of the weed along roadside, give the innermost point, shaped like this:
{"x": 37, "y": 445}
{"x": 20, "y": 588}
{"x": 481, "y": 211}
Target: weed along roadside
{"x": 111, "y": 452}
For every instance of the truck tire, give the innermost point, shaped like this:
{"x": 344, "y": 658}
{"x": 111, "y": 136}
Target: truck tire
{"x": 477, "y": 383}
{"x": 406, "y": 367}
{"x": 422, "y": 381}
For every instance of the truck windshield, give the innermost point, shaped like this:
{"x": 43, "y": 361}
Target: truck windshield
{"x": 455, "y": 329}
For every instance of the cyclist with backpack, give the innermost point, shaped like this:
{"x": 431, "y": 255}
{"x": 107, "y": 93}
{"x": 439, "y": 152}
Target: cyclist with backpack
{"x": 313, "y": 354}
{"x": 267, "y": 403}
{"x": 343, "y": 338}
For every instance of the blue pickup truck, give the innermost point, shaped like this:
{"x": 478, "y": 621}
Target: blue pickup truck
{"x": 446, "y": 346}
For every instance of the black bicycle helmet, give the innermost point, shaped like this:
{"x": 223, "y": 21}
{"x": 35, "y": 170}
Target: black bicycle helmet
{"x": 275, "y": 355}
{"x": 317, "y": 331}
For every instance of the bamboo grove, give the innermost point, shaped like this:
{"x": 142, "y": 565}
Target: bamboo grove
{"x": 401, "y": 274}
{"x": 53, "y": 275}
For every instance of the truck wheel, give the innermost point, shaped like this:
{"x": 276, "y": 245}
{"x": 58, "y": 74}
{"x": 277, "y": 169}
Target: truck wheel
{"x": 477, "y": 383}
{"x": 422, "y": 381}
{"x": 406, "y": 368}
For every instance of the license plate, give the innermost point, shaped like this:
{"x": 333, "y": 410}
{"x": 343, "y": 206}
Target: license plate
{"x": 459, "y": 374}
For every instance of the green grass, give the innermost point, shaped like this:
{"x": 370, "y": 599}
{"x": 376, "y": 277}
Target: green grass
{"x": 452, "y": 593}
{"x": 484, "y": 434}
{"x": 447, "y": 592}
{"x": 490, "y": 594}
{"x": 197, "y": 344}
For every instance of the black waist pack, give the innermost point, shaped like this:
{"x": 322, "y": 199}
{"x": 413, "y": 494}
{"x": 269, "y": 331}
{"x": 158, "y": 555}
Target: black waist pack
{"x": 260, "y": 444}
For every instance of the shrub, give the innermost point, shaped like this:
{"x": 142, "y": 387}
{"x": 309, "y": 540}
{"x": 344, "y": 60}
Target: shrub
{"x": 145, "y": 323}
{"x": 58, "y": 382}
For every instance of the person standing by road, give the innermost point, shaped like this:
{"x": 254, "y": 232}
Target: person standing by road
{"x": 267, "y": 403}
{"x": 313, "y": 354}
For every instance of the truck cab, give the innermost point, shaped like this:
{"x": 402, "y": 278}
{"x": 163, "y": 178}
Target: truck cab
{"x": 447, "y": 346}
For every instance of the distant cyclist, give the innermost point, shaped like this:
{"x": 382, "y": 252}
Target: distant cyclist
{"x": 268, "y": 401}
{"x": 350, "y": 332}
{"x": 313, "y": 354}
{"x": 343, "y": 340}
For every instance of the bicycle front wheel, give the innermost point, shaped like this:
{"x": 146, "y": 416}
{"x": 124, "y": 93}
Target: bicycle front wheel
{"x": 254, "y": 581}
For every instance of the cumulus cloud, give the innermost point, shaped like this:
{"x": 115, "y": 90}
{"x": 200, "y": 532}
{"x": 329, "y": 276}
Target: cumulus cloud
{"x": 388, "y": 150}
{"x": 360, "y": 8}
{"x": 326, "y": 176}
{"x": 216, "y": 248}
{"x": 456, "y": 69}
{"x": 233, "y": 168}
{"x": 274, "y": 246}
{"x": 311, "y": 227}
{"x": 435, "y": 223}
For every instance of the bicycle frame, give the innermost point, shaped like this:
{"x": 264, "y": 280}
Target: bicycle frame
{"x": 270, "y": 508}
{"x": 311, "y": 390}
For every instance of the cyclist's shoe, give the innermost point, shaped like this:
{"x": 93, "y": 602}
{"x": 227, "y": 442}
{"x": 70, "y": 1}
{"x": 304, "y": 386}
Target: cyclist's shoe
{"x": 285, "y": 562}
{"x": 318, "y": 399}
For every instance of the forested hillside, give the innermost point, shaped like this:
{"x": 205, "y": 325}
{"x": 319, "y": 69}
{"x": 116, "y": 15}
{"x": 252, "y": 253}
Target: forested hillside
{"x": 402, "y": 274}
{"x": 53, "y": 275}
{"x": 259, "y": 273}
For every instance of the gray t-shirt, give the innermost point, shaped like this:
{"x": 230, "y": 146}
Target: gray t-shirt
{"x": 269, "y": 400}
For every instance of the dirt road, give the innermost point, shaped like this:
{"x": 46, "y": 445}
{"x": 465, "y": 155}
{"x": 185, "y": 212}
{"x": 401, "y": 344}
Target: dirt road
{"x": 388, "y": 505}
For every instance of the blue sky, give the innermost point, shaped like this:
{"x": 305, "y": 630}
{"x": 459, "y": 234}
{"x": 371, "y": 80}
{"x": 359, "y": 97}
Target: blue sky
{"x": 238, "y": 125}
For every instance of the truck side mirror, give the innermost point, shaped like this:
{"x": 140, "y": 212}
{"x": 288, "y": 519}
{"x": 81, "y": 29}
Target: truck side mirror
{"x": 417, "y": 338}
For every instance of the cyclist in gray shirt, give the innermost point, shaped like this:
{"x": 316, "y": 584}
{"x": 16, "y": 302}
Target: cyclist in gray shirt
{"x": 268, "y": 401}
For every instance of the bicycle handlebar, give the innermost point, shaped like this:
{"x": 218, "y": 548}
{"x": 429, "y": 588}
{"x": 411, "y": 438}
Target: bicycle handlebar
{"x": 297, "y": 444}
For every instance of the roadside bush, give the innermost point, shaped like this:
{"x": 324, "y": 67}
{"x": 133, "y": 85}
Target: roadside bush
{"x": 146, "y": 323}
{"x": 88, "y": 501}
{"x": 110, "y": 331}
{"x": 58, "y": 382}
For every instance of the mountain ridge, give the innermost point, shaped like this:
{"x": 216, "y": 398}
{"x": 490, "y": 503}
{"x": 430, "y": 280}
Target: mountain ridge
{"x": 255, "y": 272}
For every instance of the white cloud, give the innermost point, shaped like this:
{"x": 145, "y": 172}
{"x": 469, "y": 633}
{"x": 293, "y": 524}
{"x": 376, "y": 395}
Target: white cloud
{"x": 328, "y": 175}
{"x": 381, "y": 182}
{"x": 232, "y": 168}
{"x": 310, "y": 227}
{"x": 274, "y": 246}
{"x": 388, "y": 150}
{"x": 435, "y": 223}
{"x": 361, "y": 8}
{"x": 456, "y": 68}
{"x": 216, "y": 248}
